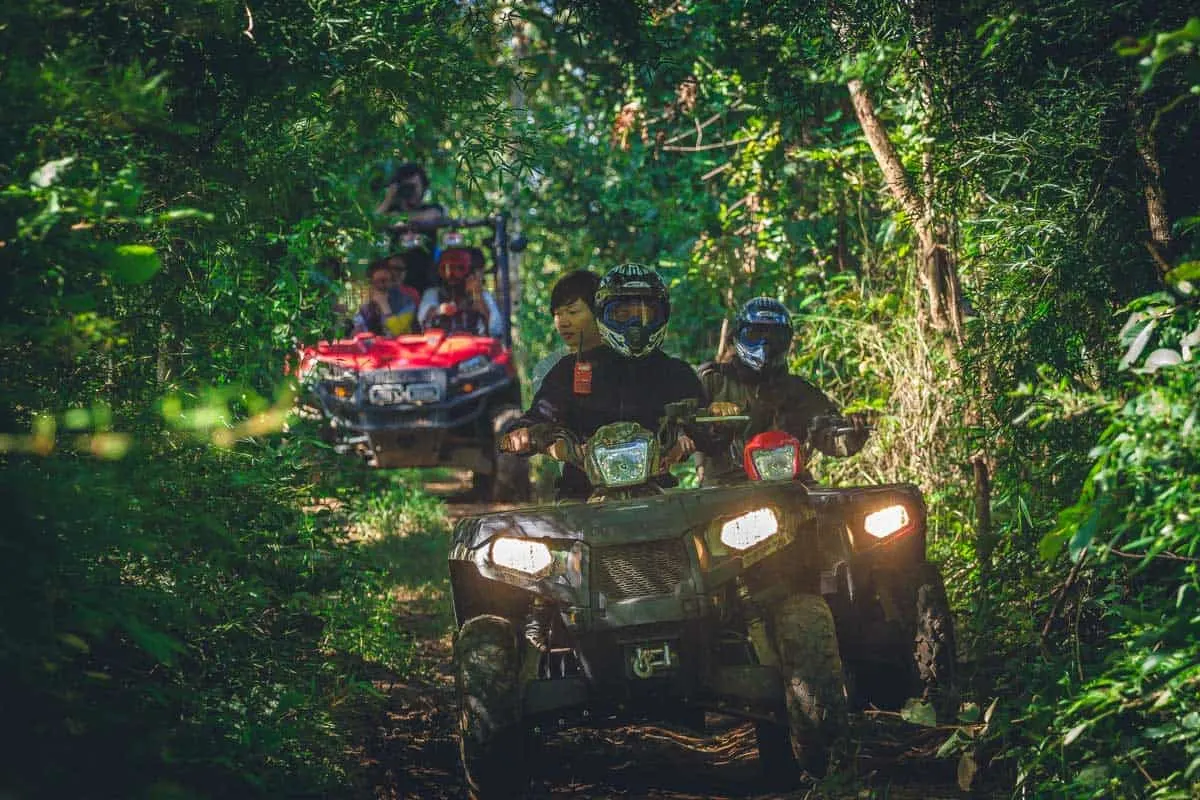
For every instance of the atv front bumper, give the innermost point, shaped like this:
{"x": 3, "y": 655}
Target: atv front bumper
{"x": 354, "y": 415}
{"x": 648, "y": 672}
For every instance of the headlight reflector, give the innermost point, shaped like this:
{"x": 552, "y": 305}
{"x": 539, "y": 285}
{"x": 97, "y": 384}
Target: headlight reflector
{"x": 775, "y": 464}
{"x": 622, "y": 464}
{"x": 747, "y": 530}
{"x": 886, "y": 521}
{"x": 523, "y": 555}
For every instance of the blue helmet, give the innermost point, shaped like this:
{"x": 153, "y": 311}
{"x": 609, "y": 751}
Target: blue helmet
{"x": 762, "y": 334}
{"x": 637, "y": 334}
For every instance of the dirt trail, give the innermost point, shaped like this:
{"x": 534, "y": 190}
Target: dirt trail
{"x": 410, "y": 751}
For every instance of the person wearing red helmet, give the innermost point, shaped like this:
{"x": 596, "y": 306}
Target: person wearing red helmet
{"x": 460, "y": 304}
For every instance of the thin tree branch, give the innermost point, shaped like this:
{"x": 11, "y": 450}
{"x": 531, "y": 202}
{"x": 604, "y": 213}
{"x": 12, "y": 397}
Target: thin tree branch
{"x": 716, "y": 171}
{"x": 1061, "y": 600}
{"x": 713, "y": 146}
{"x": 1166, "y": 555}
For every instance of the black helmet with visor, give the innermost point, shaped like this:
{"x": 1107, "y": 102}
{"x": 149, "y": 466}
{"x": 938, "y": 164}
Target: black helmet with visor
{"x": 632, "y": 309}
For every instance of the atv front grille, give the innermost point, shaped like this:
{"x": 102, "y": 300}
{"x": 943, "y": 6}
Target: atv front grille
{"x": 639, "y": 569}
{"x": 403, "y": 376}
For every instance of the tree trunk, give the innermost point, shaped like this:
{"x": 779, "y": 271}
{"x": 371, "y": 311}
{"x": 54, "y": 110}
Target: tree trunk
{"x": 1152, "y": 186}
{"x": 938, "y": 273}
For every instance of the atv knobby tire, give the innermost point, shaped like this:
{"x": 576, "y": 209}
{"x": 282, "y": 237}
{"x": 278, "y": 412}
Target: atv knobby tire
{"x": 814, "y": 688}
{"x": 491, "y": 740}
{"x": 509, "y": 481}
{"x": 933, "y": 644}
{"x": 775, "y": 757}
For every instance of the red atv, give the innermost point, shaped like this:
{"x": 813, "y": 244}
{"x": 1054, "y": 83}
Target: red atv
{"x": 429, "y": 399}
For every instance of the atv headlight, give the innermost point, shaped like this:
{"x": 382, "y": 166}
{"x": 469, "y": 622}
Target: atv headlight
{"x": 621, "y": 454}
{"x": 622, "y": 464}
{"x": 886, "y": 521}
{"x": 742, "y": 533}
{"x": 775, "y": 464}
{"x": 523, "y": 555}
{"x": 474, "y": 365}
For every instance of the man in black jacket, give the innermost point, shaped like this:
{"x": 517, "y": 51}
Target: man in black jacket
{"x": 627, "y": 379}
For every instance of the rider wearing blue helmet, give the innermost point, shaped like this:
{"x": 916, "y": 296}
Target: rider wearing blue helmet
{"x": 756, "y": 380}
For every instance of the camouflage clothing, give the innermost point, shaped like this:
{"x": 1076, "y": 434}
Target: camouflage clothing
{"x": 774, "y": 401}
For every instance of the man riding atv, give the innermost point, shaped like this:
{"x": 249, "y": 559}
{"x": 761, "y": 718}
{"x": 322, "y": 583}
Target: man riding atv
{"x": 756, "y": 379}
{"x": 644, "y": 603}
{"x": 627, "y": 379}
{"x": 895, "y": 630}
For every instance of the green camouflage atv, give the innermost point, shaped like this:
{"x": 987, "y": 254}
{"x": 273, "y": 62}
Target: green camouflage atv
{"x": 645, "y": 604}
{"x": 895, "y": 628}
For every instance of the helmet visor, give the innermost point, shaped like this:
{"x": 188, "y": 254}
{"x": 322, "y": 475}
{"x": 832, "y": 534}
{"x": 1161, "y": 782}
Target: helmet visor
{"x": 623, "y": 313}
{"x": 775, "y": 337}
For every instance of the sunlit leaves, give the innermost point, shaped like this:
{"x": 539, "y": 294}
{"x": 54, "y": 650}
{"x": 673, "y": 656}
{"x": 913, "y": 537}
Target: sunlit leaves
{"x": 1156, "y": 49}
{"x": 48, "y": 173}
{"x": 134, "y": 263}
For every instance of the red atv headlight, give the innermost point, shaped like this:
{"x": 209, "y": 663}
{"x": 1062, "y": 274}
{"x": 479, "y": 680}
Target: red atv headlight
{"x": 773, "y": 456}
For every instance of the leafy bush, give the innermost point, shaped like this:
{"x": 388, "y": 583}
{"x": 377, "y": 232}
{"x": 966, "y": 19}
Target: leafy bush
{"x": 1122, "y": 720}
{"x": 163, "y": 625}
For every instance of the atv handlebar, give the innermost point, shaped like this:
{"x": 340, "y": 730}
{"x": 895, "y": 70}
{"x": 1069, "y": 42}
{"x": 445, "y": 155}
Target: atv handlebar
{"x": 544, "y": 436}
{"x": 836, "y": 425}
{"x": 431, "y": 225}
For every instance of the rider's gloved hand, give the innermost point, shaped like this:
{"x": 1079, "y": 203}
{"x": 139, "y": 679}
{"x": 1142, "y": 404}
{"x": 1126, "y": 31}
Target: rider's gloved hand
{"x": 838, "y": 435}
{"x": 517, "y": 441}
{"x": 560, "y": 450}
{"x": 724, "y": 409}
{"x": 852, "y": 438}
{"x": 684, "y": 446}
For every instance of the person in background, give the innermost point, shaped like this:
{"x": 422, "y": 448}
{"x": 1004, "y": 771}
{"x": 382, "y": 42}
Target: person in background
{"x": 391, "y": 307}
{"x": 460, "y": 304}
{"x": 406, "y": 194}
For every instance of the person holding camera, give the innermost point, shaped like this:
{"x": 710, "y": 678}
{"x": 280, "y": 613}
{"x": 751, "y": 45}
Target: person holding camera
{"x": 405, "y": 194}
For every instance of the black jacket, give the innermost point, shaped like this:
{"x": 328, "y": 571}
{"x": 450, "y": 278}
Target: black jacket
{"x": 622, "y": 390}
{"x": 775, "y": 401}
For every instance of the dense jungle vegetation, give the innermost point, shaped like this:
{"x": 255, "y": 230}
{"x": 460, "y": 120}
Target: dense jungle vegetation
{"x": 984, "y": 216}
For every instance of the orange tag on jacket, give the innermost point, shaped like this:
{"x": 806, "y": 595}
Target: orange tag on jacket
{"x": 583, "y": 377}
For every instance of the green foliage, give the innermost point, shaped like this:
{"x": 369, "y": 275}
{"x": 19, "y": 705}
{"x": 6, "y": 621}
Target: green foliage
{"x": 1129, "y": 716}
{"x": 168, "y": 649}
{"x": 183, "y": 188}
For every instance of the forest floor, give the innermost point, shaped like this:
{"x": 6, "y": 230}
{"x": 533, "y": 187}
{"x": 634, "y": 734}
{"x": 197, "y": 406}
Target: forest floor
{"x": 406, "y": 743}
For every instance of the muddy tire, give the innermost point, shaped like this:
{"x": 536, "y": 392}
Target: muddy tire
{"x": 492, "y": 743}
{"x": 509, "y": 481}
{"x": 934, "y": 644}
{"x": 814, "y": 688}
